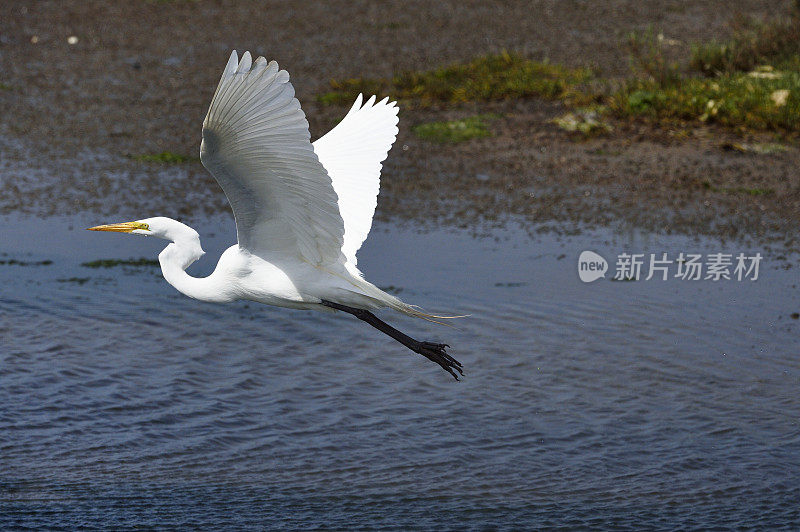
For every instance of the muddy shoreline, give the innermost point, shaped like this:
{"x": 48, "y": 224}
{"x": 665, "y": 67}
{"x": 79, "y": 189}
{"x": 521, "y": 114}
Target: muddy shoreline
{"x": 74, "y": 114}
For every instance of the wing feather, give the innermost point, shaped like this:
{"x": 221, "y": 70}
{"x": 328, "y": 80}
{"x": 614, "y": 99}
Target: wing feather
{"x": 256, "y": 144}
{"x": 352, "y": 153}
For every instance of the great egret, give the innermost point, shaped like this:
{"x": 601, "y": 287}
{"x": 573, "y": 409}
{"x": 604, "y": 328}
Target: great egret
{"x": 302, "y": 210}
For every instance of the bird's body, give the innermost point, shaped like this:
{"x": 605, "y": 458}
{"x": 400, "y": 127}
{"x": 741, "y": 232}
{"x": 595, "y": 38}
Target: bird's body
{"x": 277, "y": 281}
{"x": 302, "y": 210}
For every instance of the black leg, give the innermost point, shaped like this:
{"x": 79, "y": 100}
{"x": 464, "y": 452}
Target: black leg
{"x": 431, "y": 351}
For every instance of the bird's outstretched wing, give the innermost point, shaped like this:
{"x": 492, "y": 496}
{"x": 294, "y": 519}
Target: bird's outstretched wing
{"x": 352, "y": 153}
{"x": 257, "y": 146}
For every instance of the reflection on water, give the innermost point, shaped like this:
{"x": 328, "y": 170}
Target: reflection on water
{"x": 658, "y": 404}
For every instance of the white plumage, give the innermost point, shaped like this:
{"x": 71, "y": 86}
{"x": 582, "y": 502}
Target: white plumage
{"x": 257, "y": 145}
{"x": 302, "y": 211}
{"x": 352, "y": 153}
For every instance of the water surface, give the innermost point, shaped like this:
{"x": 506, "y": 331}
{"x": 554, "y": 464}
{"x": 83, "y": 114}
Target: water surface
{"x": 648, "y": 404}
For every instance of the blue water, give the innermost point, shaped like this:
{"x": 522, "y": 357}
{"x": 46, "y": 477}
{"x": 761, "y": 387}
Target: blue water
{"x": 648, "y": 404}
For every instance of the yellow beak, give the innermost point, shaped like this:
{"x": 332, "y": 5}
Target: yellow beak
{"x": 124, "y": 227}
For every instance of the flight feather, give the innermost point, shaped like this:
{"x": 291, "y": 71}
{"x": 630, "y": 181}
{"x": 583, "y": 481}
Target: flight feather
{"x": 352, "y": 153}
{"x": 257, "y": 145}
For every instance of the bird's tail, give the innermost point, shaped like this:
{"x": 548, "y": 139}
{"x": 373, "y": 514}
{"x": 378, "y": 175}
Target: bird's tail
{"x": 417, "y": 312}
{"x": 395, "y": 303}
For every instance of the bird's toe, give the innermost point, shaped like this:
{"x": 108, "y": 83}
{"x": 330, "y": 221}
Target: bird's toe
{"x": 436, "y": 353}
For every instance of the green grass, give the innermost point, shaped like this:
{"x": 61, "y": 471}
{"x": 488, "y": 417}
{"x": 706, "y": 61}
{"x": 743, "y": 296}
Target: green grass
{"x": 112, "y": 263}
{"x": 735, "y": 100}
{"x": 76, "y": 280}
{"x": 753, "y": 43}
{"x": 165, "y": 157}
{"x": 15, "y": 262}
{"x": 744, "y": 92}
{"x": 455, "y": 130}
{"x": 737, "y": 87}
{"x": 5, "y": 87}
{"x": 760, "y": 148}
{"x": 750, "y": 191}
{"x": 486, "y": 78}
{"x": 648, "y": 59}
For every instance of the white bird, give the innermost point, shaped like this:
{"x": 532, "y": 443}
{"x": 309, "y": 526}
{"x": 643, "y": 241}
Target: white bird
{"x": 302, "y": 210}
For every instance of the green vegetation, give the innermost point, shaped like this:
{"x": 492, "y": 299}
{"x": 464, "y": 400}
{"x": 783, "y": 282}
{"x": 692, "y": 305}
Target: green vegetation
{"x": 455, "y": 130}
{"x": 15, "y": 262}
{"x": 648, "y": 60}
{"x": 753, "y": 43}
{"x": 76, "y": 280}
{"x": 750, "y": 191}
{"x": 750, "y": 82}
{"x": 738, "y": 190}
{"x": 5, "y": 87}
{"x": 766, "y": 148}
{"x": 731, "y": 99}
{"x": 165, "y": 157}
{"x": 491, "y": 77}
{"x": 741, "y": 94}
{"x": 111, "y": 263}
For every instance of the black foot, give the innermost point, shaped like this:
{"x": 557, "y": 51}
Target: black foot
{"x": 430, "y": 350}
{"x": 436, "y": 353}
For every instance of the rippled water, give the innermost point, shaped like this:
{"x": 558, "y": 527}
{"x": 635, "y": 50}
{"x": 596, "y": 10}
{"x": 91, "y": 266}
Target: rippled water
{"x": 650, "y": 404}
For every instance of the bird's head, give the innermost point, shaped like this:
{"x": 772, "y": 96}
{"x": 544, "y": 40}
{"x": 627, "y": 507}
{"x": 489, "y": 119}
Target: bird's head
{"x": 160, "y": 226}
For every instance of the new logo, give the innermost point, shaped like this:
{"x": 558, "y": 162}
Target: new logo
{"x": 591, "y": 266}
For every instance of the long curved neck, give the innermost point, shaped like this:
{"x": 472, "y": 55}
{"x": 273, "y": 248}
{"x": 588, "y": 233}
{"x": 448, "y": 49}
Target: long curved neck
{"x": 174, "y": 260}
